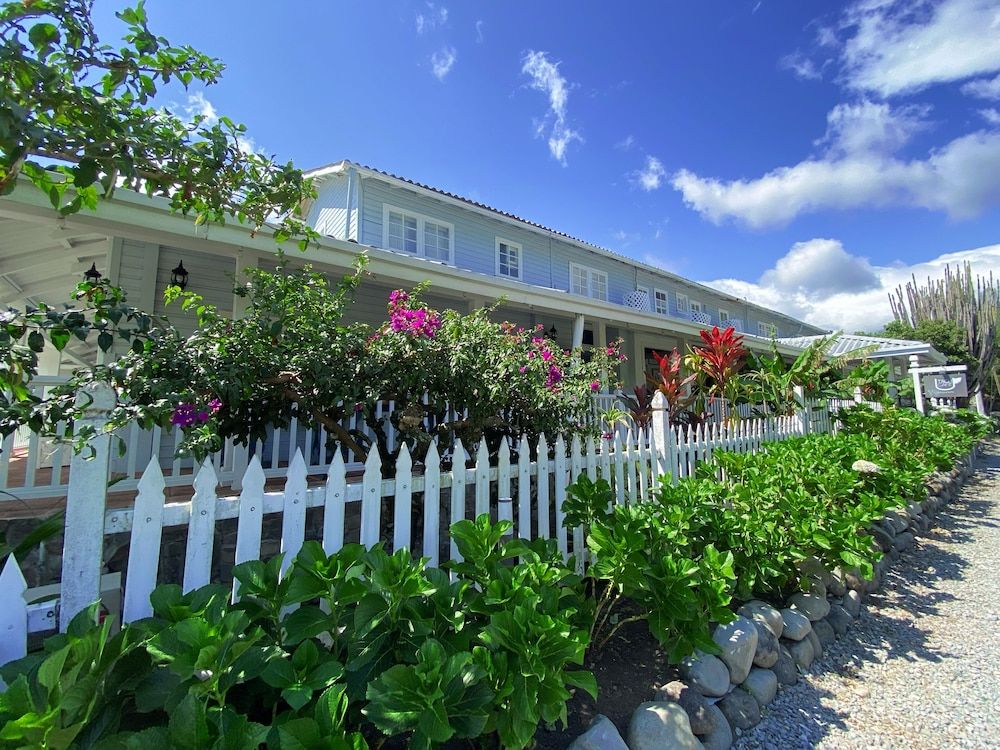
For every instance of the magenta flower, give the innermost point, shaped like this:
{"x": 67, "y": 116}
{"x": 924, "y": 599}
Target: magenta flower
{"x": 595, "y": 385}
{"x": 522, "y": 368}
{"x": 546, "y": 355}
{"x": 214, "y": 405}
{"x": 555, "y": 375}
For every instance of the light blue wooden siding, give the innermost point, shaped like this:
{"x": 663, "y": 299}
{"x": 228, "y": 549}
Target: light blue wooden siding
{"x": 546, "y": 260}
{"x": 328, "y": 213}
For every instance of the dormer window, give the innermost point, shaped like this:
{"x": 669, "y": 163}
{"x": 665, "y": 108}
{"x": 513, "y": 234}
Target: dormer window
{"x": 509, "y": 259}
{"x": 588, "y": 282}
{"x": 416, "y": 234}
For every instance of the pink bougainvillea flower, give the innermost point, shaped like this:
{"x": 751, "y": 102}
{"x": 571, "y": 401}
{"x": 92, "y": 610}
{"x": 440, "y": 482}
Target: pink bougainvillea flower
{"x": 595, "y": 385}
{"x": 214, "y": 405}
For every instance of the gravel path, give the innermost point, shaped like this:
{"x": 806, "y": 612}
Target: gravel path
{"x": 921, "y": 668}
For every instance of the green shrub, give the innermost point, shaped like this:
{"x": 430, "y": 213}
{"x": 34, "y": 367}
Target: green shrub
{"x": 356, "y": 644}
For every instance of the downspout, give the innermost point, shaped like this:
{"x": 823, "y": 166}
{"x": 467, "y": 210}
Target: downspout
{"x": 350, "y": 197}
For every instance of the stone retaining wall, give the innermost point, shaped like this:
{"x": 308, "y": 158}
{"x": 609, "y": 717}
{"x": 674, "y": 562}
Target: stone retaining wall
{"x": 767, "y": 647}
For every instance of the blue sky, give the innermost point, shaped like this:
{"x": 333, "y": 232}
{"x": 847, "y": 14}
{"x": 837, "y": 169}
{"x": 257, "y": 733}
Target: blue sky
{"x": 807, "y": 154}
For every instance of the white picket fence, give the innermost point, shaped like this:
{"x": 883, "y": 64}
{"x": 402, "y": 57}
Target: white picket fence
{"x": 525, "y": 484}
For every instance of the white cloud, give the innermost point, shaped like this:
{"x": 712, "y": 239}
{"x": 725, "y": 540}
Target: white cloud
{"x": 624, "y": 239}
{"x": 859, "y": 169}
{"x": 821, "y": 267}
{"x": 198, "y": 106}
{"x": 858, "y": 299}
{"x": 992, "y": 116}
{"x": 625, "y": 143}
{"x": 545, "y": 77}
{"x": 436, "y": 15}
{"x": 651, "y": 176}
{"x": 900, "y": 46}
{"x": 443, "y": 61}
{"x": 802, "y": 66}
{"x": 983, "y": 88}
{"x": 870, "y": 127}
{"x": 479, "y": 31}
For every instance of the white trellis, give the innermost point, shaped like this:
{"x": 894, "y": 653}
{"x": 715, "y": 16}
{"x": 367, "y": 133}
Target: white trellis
{"x": 523, "y": 484}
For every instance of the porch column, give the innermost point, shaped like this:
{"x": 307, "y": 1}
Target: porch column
{"x": 577, "y": 332}
{"x": 918, "y": 391}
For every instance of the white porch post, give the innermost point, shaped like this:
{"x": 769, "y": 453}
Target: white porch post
{"x": 577, "y": 332}
{"x": 980, "y": 402}
{"x": 918, "y": 391}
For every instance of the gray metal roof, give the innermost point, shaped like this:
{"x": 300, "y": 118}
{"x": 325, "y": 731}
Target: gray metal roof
{"x": 847, "y": 343}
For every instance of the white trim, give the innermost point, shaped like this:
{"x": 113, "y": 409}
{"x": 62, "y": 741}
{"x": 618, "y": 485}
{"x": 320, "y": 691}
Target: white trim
{"x": 770, "y": 332}
{"x": 695, "y": 306}
{"x": 724, "y": 316}
{"x": 685, "y": 308}
{"x": 590, "y": 274}
{"x": 666, "y": 302}
{"x": 520, "y": 258}
{"x": 422, "y": 220}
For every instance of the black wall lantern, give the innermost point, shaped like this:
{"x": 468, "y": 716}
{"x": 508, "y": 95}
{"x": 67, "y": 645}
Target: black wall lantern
{"x": 179, "y": 276}
{"x": 92, "y": 275}
{"x": 553, "y": 332}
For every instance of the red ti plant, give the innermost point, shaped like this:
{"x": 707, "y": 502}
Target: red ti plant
{"x": 640, "y": 406}
{"x": 672, "y": 383}
{"x": 720, "y": 361}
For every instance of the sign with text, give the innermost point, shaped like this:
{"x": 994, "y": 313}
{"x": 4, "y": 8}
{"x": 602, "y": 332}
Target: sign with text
{"x": 946, "y": 385}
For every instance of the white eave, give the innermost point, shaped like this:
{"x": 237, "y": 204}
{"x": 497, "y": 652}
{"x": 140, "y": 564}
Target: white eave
{"x": 130, "y": 214}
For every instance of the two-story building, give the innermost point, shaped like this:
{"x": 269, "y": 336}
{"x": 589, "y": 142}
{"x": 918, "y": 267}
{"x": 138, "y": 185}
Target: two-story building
{"x": 472, "y": 255}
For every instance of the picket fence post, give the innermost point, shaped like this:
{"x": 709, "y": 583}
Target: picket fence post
{"x": 661, "y": 439}
{"x": 83, "y": 539}
{"x": 13, "y": 613}
{"x": 802, "y": 413}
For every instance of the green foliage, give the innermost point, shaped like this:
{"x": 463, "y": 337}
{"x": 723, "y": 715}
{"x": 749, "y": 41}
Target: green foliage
{"x": 292, "y": 356}
{"x": 343, "y": 646}
{"x": 648, "y": 567}
{"x": 77, "y": 121}
{"x": 743, "y": 525}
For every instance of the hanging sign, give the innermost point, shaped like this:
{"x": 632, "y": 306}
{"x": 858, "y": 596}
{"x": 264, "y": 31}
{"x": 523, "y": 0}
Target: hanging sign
{"x": 946, "y": 385}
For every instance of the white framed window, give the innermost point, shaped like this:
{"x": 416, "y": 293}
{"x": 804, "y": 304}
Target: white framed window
{"x": 417, "y": 234}
{"x": 695, "y": 306}
{"x": 723, "y": 316}
{"x": 509, "y": 260}
{"x": 662, "y": 302}
{"x": 767, "y": 330}
{"x": 682, "y": 303}
{"x": 588, "y": 282}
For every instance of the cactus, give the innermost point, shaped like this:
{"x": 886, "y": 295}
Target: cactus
{"x": 973, "y": 302}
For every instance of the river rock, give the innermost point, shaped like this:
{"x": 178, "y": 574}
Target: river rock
{"x": 837, "y": 586}
{"x": 824, "y": 632}
{"x": 767, "y": 646}
{"x": 738, "y": 641}
{"x": 693, "y": 703}
{"x": 740, "y": 709}
{"x": 762, "y": 684}
{"x": 885, "y": 540}
{"x": 601, "y": 735}
{"x": 899, "y": 519}
{"x": 816, "y": 644}
{"x": 802, "y": 652}
{"x": 839, "y": 619}
{"x": 784, "y": 669}
{"x": 707, "y": 674}
{"x": 796, "y": 624}
{"x": 758, "y": 610}
{"x": 812, "y": 606}
{"x": 720, "y": 736}
{"x": 903, "y": 541}
{"x": 661, "y": 725}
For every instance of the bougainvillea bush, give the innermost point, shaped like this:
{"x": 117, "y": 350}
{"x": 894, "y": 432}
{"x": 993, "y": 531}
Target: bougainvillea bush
{"x": 293, "y": 355}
